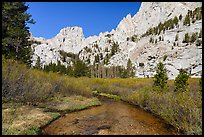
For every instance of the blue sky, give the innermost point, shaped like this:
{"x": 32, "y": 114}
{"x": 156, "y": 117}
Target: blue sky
{"x": 93, "y": 17}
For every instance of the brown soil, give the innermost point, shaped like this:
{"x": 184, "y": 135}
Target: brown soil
{"x": 111, "y": 118}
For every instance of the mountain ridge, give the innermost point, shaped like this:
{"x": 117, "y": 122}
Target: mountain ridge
{"x": 150, "y": 14}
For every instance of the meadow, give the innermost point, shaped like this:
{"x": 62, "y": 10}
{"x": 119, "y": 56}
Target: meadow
{"x": 46, "y": 90}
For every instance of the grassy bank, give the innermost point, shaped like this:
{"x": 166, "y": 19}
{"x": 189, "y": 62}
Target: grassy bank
{"x": 18, "y": 118}
{"x": 22, "y": 119}
{"x": 183, "y": 110}
{"x": 31, "y": 98}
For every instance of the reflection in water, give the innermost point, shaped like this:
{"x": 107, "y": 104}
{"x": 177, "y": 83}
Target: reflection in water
{"x": 111, "y": 118}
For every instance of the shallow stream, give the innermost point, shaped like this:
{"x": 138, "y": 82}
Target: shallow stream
{"x": 111, "y": 118}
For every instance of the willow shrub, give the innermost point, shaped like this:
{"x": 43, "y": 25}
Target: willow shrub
{"x": 183, "y": 110}
{"x": 30, "y": 85}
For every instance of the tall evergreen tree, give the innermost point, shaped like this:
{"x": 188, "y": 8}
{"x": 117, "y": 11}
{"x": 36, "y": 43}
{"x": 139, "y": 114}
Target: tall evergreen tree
{"x": 115, "y": 48}
{"x": 15, "y": 33}
{"x": 130, "y": 69}
{"x": 181, "y": 81}
{"x": 160, "y": 78}
{"x": 97, "y": 58}
{"x": 194, "y": 37}
{"x": 200, "y": 34}
{"x": 175, "y": 20}
{"x": 176, "y": 37}
{"x": 81, "y": 69}
{"x": 180, "y": 17}
{"x": 186, "y": 38}
{"x": 187, "y": 20}
{"x": 38, "y": 64}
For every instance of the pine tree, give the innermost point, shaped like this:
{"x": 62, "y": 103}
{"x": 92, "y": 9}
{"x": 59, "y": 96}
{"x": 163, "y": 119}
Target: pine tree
{"x": 186, "y": 38}
{"x": 190, "y": 13}
{"x": 198, "y": 42}
{"x": 151, "y": 40}
{"x": 81, "y": 69}
{"x": 175, "y": 20}
{"x": 106, "y": 59}
{"x": 38, "y": 64}
{"x": 181, "y": 81}
{"x": 174, "y": 44}
{"x": 134, "y": 38}
{"x": 155, "y": 41}
{"x": 15, "y": 33}
{"x": 200, "y": 34}
{"x": 176, "y": 37}
{"x": 101, "y": 56}
{"x": 194, "y": 37}
{"x": 186, "y": 21}
{"x": 115, "y": 48}
{"x": 180, "y": 17}
{"x": 97, "y": 58}
{"x": 160, "y": 78}
{"x": 130, "y": 69}
{"x": 163, "y": 38}
{"x": 159, "y": 38}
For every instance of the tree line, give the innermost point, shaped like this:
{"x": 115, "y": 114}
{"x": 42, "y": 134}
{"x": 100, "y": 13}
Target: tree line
{"x": 79, "y": 68}
{"x": 190, "y": 17}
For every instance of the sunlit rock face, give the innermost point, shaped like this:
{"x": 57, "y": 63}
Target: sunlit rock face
{"x": 174, "y": 54}
{"x": 68, "y": 39}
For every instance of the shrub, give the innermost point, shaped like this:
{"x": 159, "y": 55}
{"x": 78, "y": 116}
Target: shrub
{"x": 183, "y": 110}
{"x": 181, "y": 81}
{"x": 31, "y": 85}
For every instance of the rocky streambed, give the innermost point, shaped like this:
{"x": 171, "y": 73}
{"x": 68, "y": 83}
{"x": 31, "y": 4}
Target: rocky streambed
{"x": 111, "y": 118}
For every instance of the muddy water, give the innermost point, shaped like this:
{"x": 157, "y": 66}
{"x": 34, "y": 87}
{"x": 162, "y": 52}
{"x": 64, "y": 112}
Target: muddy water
{"x": 111, "y": 118}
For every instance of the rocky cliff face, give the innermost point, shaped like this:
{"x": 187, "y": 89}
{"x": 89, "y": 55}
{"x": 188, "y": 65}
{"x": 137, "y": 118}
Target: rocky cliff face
{"x": 69, "y": 40}
{"x": 131, "y": 42}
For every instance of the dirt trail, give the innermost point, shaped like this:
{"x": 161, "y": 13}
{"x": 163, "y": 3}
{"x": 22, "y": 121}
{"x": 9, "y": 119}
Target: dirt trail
{"x": 111, "y": 118}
